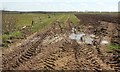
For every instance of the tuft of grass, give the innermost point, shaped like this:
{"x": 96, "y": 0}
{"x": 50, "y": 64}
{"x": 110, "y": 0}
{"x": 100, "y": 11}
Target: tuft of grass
{"x": 15, "y": 34}
{"x": 113, "y": 46}
{"x": 5, "y": 37}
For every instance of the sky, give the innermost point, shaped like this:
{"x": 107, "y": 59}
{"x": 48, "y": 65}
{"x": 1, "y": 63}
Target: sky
{"x": 60, "y": 5}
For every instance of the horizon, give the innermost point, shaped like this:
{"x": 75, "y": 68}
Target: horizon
{"x": 61, "y": 11}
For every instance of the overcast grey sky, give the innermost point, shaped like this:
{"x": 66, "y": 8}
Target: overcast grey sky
{"x": 59, "y": 5}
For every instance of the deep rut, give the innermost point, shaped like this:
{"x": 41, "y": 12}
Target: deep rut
{"x": 95, "y": 62}
{"x": 49, "y": 62}
{"x": 25, "y": 55}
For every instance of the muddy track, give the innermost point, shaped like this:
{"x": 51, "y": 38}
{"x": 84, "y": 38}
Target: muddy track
{"x": 95, "y": 62}
{"x": 90, "y": 56}
{"x": 24, "y": 55}
{"x": 114, "y": 60}
{"x": 50, "y": 61}
{"x": 25, "y": 52}
{"x": 58, "y": 53}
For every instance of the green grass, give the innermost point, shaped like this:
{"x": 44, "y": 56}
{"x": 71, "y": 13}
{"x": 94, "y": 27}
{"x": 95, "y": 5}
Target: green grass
{"x": 113, "y": 46}
{"x": 24, "y": 20}
{"x": 62, "y": 20}
{"x": 74, "y": 19}
{"x": 45, "y": 22}
{"x": 15, "y": 34}
{"x": 5, "y": 37}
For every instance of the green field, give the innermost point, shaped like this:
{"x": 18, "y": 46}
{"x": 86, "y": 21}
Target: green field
{"x": 21, "y": 25}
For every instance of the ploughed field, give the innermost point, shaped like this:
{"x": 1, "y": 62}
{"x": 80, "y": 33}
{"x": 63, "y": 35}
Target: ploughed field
{"x": 79, "y": 42}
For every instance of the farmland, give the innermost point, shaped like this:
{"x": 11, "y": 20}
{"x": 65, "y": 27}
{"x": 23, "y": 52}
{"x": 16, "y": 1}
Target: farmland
{"x": 19, "y": 26}
{"x": 60, "y": 41}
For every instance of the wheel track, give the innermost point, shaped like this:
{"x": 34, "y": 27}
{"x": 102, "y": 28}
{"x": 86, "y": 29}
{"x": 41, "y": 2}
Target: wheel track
{"x": 92, "y": 58}
{"x": 90, "y": 55}
{"x": 49, "y": 62}
{"x": 114, "y": 60}
{"x": 26, "y": 55}
{"x": 76, "y": 48}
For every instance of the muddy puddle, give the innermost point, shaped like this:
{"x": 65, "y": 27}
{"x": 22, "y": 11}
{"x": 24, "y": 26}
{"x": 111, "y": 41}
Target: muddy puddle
{"x": 81, "y": 37}
{"x": 86, "y": 38}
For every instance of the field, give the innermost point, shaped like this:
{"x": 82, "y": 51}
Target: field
{"x": 61, "y": 41}
{"x": 19, "y": 26}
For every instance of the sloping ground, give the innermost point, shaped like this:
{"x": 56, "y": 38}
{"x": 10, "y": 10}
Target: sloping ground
{"x": 52, "y": 49}
{"x": 108, "y": 28}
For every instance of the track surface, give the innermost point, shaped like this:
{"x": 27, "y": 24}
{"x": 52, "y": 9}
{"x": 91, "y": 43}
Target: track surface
{"x": 51, "y": 49}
